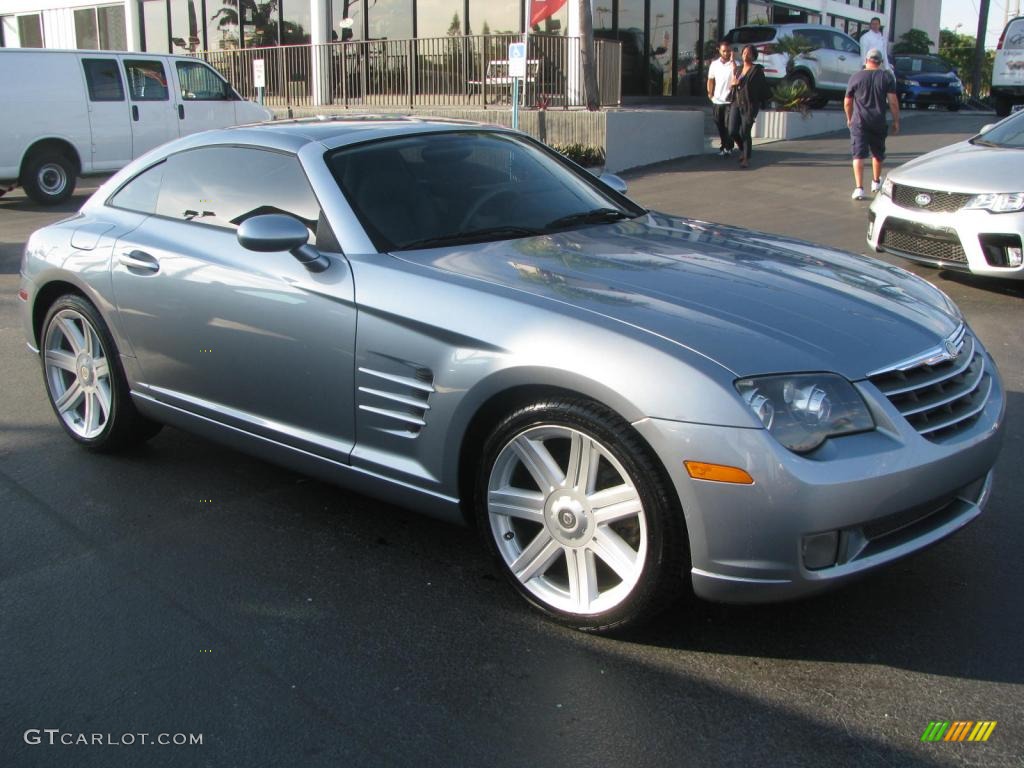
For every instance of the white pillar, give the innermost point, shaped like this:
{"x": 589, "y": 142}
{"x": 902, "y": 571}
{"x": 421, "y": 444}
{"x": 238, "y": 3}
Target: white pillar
{"x": 133, "y": 27}
{"x": 319, "y": 65}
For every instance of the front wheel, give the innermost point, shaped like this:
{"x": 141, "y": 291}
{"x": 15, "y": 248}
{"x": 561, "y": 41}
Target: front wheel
{"x": 49, "y": 177}
{"x": 1002, "y": 106}
{"x": 580, "y": 516}
{"x": 953, "y": 107}
{"x": 84, "y": 380}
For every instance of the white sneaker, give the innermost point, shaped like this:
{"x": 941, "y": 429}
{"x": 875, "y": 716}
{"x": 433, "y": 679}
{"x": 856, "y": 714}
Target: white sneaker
{"x": 723, "y": 152}
{"x": 875, "y": 186}
{"x": 858, "y": 194}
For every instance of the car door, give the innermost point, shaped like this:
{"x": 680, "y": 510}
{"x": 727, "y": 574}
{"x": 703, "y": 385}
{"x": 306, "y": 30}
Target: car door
{"x": 847, "y": 58}
{"x": 109, "y": 118}
{"x": 824, "y": 57}
{"x": 205, "y": 100}
{"x": 253, "y": 340}
{"x": 153, "y": 118}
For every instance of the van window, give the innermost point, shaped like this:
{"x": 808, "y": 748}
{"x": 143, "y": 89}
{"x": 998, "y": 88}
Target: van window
{"x": 147, "y": 80}
{"x": 1014, "y": 37}
{"x": 200, "y": 83}
{"x": 103, "y": 79}
{"x": 224, "y": 186}
{"x": 140, "y": 194}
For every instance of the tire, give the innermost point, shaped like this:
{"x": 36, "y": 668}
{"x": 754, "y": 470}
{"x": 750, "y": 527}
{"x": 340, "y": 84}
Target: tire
{"x": 1002, "y": 106}
{"x": 603, "y": 546}
{"x": 85, "y": 382}
{"x": 49, "y": 177}
{"x": 816, "y": 99}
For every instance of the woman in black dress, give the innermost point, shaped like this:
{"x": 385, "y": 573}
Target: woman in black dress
{"x": 750, "y": 91}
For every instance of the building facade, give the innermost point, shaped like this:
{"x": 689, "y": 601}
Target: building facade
{"x": 666, "y": 44}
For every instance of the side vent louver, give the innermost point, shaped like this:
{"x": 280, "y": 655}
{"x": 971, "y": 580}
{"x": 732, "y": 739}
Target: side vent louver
{"x": 393, "y": 402}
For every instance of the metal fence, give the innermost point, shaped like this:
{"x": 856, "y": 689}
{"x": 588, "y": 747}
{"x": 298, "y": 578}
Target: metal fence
{"x": 467, "y": 71}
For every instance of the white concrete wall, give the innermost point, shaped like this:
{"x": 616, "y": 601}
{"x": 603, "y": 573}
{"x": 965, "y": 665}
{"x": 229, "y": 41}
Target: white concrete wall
{"x": 641, "y": 137}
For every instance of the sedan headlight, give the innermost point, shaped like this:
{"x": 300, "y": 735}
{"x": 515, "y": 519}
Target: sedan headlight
{"x": 996, "y": 203}
{"x": 803, "y": 410}
{"x": 912, "y": 83}
{"x": 887, "y": 187}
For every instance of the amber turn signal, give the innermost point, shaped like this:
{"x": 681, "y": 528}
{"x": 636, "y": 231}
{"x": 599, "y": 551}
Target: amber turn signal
{"x": 719, "y": 473}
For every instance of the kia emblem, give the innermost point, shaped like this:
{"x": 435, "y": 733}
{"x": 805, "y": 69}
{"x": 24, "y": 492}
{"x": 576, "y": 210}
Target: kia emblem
{"x": 923, "y": 200}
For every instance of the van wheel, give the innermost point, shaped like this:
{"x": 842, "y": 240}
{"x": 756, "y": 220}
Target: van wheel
{"x": 1002, "y": 105}
{"x": 49, "y": 177}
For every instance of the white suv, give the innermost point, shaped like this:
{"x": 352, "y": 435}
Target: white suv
{"x": 826, "y": 69}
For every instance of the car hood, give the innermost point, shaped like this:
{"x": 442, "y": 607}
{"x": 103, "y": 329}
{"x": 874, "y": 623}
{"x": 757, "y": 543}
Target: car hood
{"x": 964, "y": 167}
{"x": 752, "y": 302}
{"x": 928, "y": 78}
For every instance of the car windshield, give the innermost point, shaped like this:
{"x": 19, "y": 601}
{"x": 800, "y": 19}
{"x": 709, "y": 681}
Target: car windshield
{"x": 1009, "y": 134}
{"x": 435, "y": 189}
{"x": 908, "y": 65}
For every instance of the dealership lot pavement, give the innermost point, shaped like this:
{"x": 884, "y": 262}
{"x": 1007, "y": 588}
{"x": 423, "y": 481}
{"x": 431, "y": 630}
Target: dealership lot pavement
{"x": 188, "y": 589}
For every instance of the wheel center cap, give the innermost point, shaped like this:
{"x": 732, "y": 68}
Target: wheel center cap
{"x": 85, "y": 372}
{"x": 568, "y": 518}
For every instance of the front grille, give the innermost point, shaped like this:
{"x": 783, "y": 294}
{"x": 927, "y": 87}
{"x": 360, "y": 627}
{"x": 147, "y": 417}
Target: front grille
{"x": 942, "y": 248}
{"x": 942, "y": 397}
{"x": 941, "y": 202}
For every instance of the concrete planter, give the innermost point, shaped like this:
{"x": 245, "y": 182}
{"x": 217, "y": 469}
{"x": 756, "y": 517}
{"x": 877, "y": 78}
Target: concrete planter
{"x": 635, "y": 138}
{"x": 772, "y": 124}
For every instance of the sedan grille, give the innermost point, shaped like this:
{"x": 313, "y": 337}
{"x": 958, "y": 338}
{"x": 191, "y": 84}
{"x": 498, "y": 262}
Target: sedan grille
{"x": 938, "y": 202}
{"x": 941, "y": 245}
{"x": 940, "y": 398}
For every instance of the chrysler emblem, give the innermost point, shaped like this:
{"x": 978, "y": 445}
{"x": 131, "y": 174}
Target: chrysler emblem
{"x": 951, "y": 349}
{"x": 923, "y": 200}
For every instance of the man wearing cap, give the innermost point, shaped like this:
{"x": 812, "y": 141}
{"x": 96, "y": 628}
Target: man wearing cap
{"x": 867, "y": 95}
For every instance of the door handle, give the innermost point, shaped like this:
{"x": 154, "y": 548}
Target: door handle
{"x": 135, "y": 113}
{"x": 842, "y": 58}
{"x": 139, "y": 260}
{"x": 181, "y": 111}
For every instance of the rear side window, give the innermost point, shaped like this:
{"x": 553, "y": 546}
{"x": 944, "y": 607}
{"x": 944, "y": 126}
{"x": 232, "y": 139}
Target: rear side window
{"x": 103, "y": 79}
{"x": 147, "y": 80}
{"x": 141, "y": 193}
{"x": 224, "y": 186}
{"x": 744, "y": 35}
{"x": 1014, "y": 39}
{"x": 199, "y": 83}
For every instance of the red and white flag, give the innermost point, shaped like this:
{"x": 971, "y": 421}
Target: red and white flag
{"x": 543, "y": 9}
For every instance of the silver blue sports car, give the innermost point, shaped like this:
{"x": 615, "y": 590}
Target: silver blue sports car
{"x": 455, "y": 318}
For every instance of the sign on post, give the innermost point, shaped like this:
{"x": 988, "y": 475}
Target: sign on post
{"x": 259, "y": 78}
{"x": 517, "y": 60}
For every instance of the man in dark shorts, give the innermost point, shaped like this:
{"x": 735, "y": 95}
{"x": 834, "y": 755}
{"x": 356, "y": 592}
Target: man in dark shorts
{"x": 867, "y": 95}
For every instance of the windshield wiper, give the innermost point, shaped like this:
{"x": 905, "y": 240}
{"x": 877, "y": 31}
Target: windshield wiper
{"x": 472, "y": 236}
{"x": 596, "y": 216}
{"x": 979, "y": 142}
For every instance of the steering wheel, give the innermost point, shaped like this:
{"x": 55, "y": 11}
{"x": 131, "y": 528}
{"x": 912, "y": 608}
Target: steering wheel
{"x": 478, "y": 204}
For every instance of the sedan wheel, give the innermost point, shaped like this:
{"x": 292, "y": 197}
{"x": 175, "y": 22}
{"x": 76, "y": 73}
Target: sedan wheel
{"x": 579, "y": 516}
{"x": 84, "y": 380}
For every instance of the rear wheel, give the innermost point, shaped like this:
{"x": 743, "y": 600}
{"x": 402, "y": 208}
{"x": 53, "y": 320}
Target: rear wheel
{"x": 84, "y": 379}
{"x": 579, "y": 515}
{"x": 953, "y": 107}
{"x": 48, "y": 177}
{"x": 1002, "y": 105}
{"x": 815, "y": 99}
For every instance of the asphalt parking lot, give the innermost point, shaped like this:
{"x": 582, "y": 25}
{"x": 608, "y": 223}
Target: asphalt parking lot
{"x": 189, "y": 589}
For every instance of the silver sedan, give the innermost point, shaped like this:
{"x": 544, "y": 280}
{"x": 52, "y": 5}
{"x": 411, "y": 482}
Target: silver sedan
{"x": 454, "y": 318}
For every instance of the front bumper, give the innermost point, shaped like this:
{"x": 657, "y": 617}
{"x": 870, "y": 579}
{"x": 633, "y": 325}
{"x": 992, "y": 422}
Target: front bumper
{"x": 947, "y": 240}
{"x": 886, "y": 493}
{"x": 925, "y": 95}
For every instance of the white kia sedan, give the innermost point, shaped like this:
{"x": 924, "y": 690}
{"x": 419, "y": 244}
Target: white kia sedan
{"x": 960, "y": 207}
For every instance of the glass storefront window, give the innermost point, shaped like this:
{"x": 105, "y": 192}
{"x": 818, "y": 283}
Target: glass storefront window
{"x": 556, "y": 24}
{"x": 343, "y": 12}
{"x": 438, "y": 18}
{"x": 221, "y": 24}
{"x": 295, "y": 27}
{"x": 30, "y": 31}
{"x": 86, "y": 36}
{"x": 154, "y": 18}
{"x": 391, "y": 20}
{"x": 689, "y": 48}
{"x": 111, "y": 26}
{"x": 259, "y": 23}
{"x": 487, "y": 17}
{"x": 660, "y": 49}
{"x": 185, "y": 30}
{"x": 636, "y": 74}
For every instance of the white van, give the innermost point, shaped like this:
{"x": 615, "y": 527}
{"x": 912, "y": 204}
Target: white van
{"x": 72, "y": 113}
{"x": 1008, "y": 68}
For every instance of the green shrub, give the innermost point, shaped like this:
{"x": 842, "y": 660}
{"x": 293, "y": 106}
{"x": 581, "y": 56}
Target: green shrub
{"x": 586, "y": 155}
{"x": 792, "y": 96}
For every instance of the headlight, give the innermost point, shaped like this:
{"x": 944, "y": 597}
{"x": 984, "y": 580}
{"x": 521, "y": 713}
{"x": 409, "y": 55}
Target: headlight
{"x": 996, "y": 203}
{"x": 958, "y": 83}
{"x": 803, "y": 410}
{"x": 912, "y": 83}
{"x": 887, "y": 187}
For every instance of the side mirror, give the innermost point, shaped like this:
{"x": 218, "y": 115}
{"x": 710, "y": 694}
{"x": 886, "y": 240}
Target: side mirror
{"x": 276, "y": 232}
{"x": 986, "y": 128}
{"x": 614, "y": 182}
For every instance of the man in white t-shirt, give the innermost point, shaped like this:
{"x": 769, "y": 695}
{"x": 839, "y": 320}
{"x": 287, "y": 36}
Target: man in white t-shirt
{"x": 874, "y": 40}
{"x": 719, "y": 85}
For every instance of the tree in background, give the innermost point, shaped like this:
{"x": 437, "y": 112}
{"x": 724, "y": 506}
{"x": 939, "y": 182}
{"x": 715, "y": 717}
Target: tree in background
{"x": 913, "y": 41}
{"x": 958, "y": 50}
